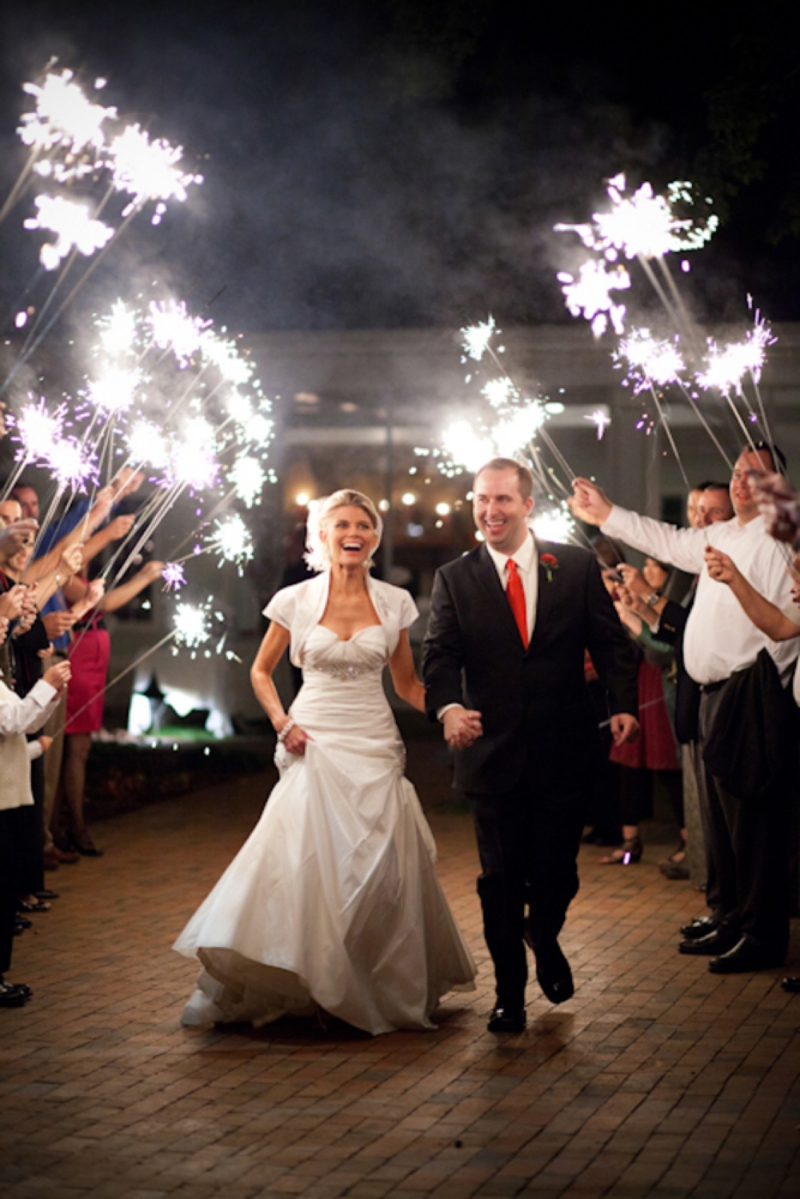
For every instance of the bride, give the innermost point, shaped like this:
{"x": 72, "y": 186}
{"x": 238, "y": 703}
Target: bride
{"x": 333, "y": 902}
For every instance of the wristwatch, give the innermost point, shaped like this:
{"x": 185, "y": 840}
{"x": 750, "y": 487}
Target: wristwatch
{"x": 652, "y": 599}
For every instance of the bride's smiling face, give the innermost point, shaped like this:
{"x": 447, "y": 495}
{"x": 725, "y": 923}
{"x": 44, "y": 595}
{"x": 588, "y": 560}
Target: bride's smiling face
{"x": 349, "y": 536}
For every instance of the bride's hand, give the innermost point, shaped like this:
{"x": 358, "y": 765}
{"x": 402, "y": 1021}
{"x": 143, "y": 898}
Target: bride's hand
{"x": 295, "y": 740}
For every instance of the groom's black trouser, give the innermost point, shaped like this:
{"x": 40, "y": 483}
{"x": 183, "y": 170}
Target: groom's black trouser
{"x": 528, "y": 841}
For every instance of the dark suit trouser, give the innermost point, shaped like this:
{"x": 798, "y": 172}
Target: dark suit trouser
{"x": 528, "y": 841}
{"x": 748, "y": 852}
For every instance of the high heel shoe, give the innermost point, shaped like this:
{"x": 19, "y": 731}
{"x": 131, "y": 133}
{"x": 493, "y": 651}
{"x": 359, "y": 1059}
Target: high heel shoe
{"x": 628, "y": 853}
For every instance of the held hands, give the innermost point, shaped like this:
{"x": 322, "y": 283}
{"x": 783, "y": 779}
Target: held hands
{"x": 624, "y": 728}
{"x": 58, "y": 676}
{"x": 295, "y": 740}
{"x": 462, "y": 727}
{"x": 589, "y": 502}
{"x": 719, "y": 565}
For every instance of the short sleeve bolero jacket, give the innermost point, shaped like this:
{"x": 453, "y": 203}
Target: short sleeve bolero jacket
{"x": 300, "y": 608}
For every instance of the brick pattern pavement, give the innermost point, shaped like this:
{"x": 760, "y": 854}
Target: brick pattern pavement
{"x": 657, "y": 1079}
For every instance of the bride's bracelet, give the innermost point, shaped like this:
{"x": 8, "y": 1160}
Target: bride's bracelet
{"x": 286, "y": 730}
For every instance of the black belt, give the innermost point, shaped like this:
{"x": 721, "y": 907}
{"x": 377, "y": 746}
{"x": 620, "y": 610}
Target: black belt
{"x": 89, "y": 624}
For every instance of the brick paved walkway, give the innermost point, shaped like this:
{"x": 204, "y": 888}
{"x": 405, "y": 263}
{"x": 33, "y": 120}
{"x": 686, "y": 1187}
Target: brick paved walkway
{"x": 657, "y": 1079}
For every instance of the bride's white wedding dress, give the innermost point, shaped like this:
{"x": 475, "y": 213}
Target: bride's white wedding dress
{"x": 333, "y": 900}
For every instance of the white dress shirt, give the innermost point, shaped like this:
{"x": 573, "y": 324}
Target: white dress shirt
{"x": 719, "y": 638}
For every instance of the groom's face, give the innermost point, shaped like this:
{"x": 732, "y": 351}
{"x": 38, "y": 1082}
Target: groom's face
{"x": 500, "y": 512}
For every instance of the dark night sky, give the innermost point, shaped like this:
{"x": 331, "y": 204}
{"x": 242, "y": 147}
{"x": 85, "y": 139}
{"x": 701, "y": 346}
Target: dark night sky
{"x": 402, "y": 162}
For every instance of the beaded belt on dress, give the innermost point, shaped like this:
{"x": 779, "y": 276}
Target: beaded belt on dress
{"x": 344, "y": 673}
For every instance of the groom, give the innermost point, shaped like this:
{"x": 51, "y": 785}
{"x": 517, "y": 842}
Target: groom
{"x": 504, "y": 672}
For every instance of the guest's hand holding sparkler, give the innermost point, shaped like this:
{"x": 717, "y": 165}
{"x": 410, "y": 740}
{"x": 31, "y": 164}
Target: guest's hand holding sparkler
{"x": 11, "y": 602}
{"x": 3, "y": 628}
{"x": 90, "y": 599}
{"x": 589, "y": 502}
{"x": 29, "y": 611}
{"x": 720, "y": 566}
{"x": 56, "y": 624}
{"x": 765, "y": 615}
{"x": 16, "y": 537}
{"x": 58, "y": 676}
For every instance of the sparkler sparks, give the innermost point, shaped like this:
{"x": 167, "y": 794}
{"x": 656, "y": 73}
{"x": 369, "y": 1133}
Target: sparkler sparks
{"x": 118, "y": 330}
{"x": 115, "y": 391}
{"x": 649, "y": 360}
{"x": 601, "y": 420}
{"x": 173, "y": 577}
{"x": 70, "y": 464}
{"x": 590, "y": 294}
{"x": 643, "y": 225}
{"x": 247, "y": 476}
{"x": 469, "y": 447}
{"x": 147, "y": 169}
{"x": 63, "y": 116}
{"x": 173, "y": 328}
{"x": 38, "y": 431}
{"x": 477, "y": 338}
{"x": 499, "y": 392}
{"x": 72, "y": 225}
{"x": 727, "y": 367}
{"x": 191, "y": 625}
{"x": 233, "y": 541}
{"x": 554, "y": 524}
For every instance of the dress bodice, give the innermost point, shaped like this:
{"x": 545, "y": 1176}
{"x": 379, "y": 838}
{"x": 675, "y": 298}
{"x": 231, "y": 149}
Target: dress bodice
{"x": 364, "y": 654}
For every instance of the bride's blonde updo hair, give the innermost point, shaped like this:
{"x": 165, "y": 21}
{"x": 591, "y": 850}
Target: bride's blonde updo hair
{"x": 319, "y": 514}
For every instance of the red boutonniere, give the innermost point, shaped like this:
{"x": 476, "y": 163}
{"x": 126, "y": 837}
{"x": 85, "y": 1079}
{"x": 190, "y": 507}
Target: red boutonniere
{"x": 550, "y": 563}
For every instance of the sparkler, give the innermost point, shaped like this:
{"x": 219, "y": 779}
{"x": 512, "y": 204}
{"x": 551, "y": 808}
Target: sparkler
{"x": 650, "y": 360}
{"x": 173, "y": 328}
{"x": 148, "y": 170}
{"x": 232, "y": 540}
{"x": 63, "y": 118}
{"x": 589, "y": 295}
{"x": 477, "y": 338}
{"x": 248, "y": 478}
{"x": 173, "y": 576}
{"x": 73, "y": 227}
{"x": 555, "y": 524}
{"x": 601, "y": 420}
{"x": 191, "y": 625}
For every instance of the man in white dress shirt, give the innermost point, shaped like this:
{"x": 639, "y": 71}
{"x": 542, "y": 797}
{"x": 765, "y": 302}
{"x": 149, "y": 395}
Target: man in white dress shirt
{"x": 749, "y": 835}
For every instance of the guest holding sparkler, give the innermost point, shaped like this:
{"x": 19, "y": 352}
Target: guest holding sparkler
{"x": 89, "y": 655}
{"x": 18, "y": 717}
{"x": 739, "y": 668}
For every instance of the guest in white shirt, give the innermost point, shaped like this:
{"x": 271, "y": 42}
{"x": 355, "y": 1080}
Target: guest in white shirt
{"x": 748, "y": 845}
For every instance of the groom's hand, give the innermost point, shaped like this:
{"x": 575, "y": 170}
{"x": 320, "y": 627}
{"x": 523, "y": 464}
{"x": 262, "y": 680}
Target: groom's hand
{"x": 624, "y": 728}
{"x": 461, "y": 727}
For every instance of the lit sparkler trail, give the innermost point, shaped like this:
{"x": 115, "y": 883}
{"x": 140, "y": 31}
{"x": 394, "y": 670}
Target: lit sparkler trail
{"x": 590, "y": 294}
{"x": 63, "y": 116}
{"x": 727, "y": 367}
{"x": 115, "y": 390}
{"x": 555, "y": 524}
{"x": 643, "y": 225}
{"x": 191, "y": 625}
{"x": 247, "y": 476}
{"x": 232, "y": 541}
{"x": 148, "y": 170}
{"x": 173, "y": 328}
{"x": 601, "y": 420}
{"x": 477, "y": 338}
{"x": 73, "y": 227}
{"x": 173, "y": 577}
{"x": 118, "y": 330}
{"x": 649, "y": 360}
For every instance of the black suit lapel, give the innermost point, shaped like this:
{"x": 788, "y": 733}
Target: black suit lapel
{"x": 493, "y": 595}
{"x": 548, "y": 595}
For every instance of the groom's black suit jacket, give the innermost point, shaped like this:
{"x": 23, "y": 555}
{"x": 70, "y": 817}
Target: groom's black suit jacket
{"x": 534, "y": 701}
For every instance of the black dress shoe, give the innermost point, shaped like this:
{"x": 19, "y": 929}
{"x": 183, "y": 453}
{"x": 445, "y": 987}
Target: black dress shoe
{"x": 746, "y": 955}
{"x": 792, "y": 983}
{"x": 719, "y": 940}
{"x": 699, "y": 927}
{"x": 553, "y": 973}
{"x": 11, "y": 996}
{"x": 506, "y": 1019}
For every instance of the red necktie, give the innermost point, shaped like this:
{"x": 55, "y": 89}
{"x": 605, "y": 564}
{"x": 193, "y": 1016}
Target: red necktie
{"x": 516, "y": 598}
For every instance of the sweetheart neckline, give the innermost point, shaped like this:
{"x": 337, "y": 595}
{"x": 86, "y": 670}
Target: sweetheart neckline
{"x": 347, "y": 640}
